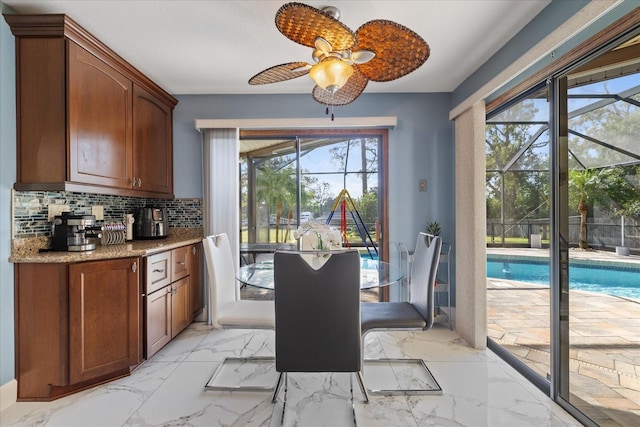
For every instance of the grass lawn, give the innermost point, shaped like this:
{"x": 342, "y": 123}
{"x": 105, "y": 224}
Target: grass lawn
{"x": 512, "y": 240}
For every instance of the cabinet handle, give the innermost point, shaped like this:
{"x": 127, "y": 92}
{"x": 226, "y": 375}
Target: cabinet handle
{"x": 182, "y": 262}
{"x": 139, "y": 182}
{"x": 134, "y": 267}
{"x": 193, "y": 250}
{"x": 133, "y": 182}
{"x": 158, "y": 270}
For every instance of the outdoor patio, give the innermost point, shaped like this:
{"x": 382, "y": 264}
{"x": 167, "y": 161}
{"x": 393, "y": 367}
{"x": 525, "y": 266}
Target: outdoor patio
{"x": 604, "y": 339}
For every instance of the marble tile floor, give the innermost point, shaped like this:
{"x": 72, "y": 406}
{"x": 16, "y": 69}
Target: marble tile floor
{"x": 168, "y": 390}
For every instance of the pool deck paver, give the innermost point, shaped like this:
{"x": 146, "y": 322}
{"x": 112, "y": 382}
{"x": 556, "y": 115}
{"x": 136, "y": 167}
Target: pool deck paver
{"x": 604, "y": 338}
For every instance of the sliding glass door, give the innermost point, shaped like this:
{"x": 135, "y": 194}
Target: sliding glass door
{"x": 599, "y": 143}
{"x": 518, "y": 232}
{"x": 289, "y": 179}
{"x": 563, "y": 243}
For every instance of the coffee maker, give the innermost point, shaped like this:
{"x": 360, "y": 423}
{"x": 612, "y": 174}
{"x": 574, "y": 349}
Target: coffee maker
{"x": 71, "y": 232}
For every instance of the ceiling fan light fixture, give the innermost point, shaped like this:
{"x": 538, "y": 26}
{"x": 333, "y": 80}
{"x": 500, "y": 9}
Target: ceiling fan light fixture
{"x": 380, "y": 51}
{"x": 331, "y": 73}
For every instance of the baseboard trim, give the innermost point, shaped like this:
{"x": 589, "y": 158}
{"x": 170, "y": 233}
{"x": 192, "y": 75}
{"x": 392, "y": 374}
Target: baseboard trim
{"x": 8, "y": 394}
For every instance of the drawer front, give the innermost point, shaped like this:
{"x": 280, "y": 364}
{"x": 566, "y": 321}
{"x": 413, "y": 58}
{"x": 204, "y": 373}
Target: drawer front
{"x": 158, "y": 271}
{"x": 180, "y": 262}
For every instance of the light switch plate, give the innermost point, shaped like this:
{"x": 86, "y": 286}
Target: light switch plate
{"x": 422, "y": 185}
{"x": 55, "y": 210}
{"x": 98, "y": 212}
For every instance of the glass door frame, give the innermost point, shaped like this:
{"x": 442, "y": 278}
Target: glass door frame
{"x": 558, "y": 385}
{"x": 383, "y": 158}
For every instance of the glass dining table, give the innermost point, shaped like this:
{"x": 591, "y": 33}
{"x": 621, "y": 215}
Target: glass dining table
{"x": 373, "y": 274}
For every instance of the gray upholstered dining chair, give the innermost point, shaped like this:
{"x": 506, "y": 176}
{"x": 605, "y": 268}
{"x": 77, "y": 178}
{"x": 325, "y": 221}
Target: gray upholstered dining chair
{"x": 227, "y": 310}
{"x": 317, "y": 314}
{"x": 415, "y": 314}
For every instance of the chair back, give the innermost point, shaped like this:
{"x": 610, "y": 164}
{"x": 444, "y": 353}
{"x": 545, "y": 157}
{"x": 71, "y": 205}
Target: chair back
{"x": 223, "y": 288}
{"x": 317, "y": 312}
{"x": 423, "y": 275}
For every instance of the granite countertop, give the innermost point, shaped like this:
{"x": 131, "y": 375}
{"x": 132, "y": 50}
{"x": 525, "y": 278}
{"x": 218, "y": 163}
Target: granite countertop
{"x": 27, "y": 250}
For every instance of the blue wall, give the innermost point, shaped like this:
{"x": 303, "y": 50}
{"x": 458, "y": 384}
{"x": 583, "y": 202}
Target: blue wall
{"x": 420, "y": 147}
{"x": 7, "y": 178}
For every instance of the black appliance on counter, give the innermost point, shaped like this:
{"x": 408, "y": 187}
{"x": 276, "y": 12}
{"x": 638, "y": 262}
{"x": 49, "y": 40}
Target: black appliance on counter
{"x": 71, "y": 232}
{"x": 150, "y": 222}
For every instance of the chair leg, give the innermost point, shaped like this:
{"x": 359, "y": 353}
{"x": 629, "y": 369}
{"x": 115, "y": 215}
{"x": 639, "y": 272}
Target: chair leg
{"x": 431, "y": 386}
{"x": 274, "y": 398}
{"x": 362, "y": 387}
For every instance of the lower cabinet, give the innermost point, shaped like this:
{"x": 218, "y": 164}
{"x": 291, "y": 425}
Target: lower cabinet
{"x": 104, "y": 317}
{"x": 172, "y": 278}
{"x": 180, "y": 307}
{"x": 82, "y": 324}
{"x": 158, "y": 320}
{"x": 76, "y": 325}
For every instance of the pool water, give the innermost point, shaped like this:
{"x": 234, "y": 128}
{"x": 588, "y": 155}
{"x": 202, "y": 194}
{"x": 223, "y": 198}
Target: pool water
{"x": 618, "y": 281}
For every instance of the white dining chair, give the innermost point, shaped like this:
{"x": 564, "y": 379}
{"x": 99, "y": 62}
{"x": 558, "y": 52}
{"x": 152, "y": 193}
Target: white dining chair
{"x": 228, "y": 310}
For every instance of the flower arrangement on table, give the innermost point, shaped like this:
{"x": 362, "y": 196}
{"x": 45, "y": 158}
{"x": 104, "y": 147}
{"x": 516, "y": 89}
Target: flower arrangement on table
{"x": 318, "y": 236}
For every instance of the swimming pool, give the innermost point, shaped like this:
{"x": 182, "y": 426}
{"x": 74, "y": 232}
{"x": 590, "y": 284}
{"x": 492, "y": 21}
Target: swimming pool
{"x": 608, "y": 279}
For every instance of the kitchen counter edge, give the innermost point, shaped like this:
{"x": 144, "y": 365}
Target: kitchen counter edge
{"x": 136, "y": 248}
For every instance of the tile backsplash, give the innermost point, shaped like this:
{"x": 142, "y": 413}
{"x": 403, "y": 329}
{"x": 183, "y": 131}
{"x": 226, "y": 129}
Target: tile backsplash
{"x": 30, "y": 209}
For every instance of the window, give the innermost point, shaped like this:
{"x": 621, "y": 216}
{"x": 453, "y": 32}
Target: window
{"x": 287, "y": 179}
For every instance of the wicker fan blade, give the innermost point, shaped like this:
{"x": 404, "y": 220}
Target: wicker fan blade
{"x": 302, "y": 24}
{"x": 346, "y": 94}
{"x": 398, "y": 50}
{"x": 280, "y": 73}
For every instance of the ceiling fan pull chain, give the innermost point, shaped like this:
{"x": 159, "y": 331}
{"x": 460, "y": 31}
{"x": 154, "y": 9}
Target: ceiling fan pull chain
{"x": 332, "y": 95}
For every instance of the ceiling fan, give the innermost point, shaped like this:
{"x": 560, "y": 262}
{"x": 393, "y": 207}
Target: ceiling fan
{"x": 344, "y": 61}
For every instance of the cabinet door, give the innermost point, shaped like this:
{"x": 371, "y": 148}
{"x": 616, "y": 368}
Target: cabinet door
{"x": 158, "y": 320}
{"x": 180, "y": 262}
{"x": 41, "y": 324}
{"x": 153, "y": 143}
{"x": 100, "y": 127}
{"x": 180, "y": 306}
{"x": 195, "y": 279}
{"x": 104, "y": 317}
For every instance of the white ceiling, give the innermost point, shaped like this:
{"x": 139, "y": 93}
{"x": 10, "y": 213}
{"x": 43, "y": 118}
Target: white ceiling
{"x": 215, "y": 46}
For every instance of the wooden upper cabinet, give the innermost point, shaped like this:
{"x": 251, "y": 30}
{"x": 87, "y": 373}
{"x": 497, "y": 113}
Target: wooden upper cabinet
{"x": 100, "y": 103}
{"x": 87, "y": 120}
{"x": 152, "y": 141}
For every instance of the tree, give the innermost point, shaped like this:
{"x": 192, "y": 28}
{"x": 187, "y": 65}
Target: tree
{"x": 608, "y": 188}
{"x": 583, "y": 188}
{"x": 367, "y": 206}
{"x": 605, "y": 181}
{"x": 516, "y": 147}
{"x": 368, "y": 160}
{"x": 275, "y": 184}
